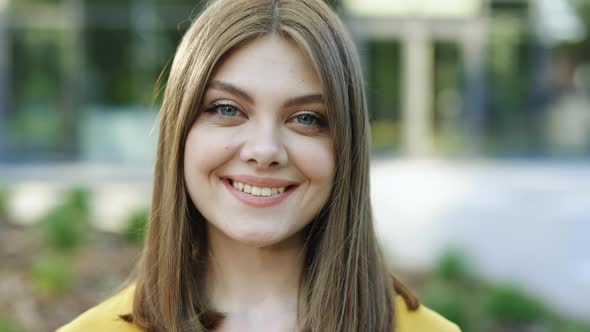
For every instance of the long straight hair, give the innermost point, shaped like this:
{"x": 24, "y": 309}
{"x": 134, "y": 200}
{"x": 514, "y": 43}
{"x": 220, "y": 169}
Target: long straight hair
{"x": 346, "y": 285}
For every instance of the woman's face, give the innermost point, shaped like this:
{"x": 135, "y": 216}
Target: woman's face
{"x": 259, "y": 160}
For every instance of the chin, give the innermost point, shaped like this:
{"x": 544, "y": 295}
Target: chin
{"x": 256, "y": 236}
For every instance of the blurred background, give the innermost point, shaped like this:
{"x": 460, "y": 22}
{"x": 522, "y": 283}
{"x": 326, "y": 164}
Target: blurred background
{"x": 480, "y": 116}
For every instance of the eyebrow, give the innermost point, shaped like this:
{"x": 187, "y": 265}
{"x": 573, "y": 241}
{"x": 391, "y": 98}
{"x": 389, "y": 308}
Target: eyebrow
{"x": 227, "y": 87}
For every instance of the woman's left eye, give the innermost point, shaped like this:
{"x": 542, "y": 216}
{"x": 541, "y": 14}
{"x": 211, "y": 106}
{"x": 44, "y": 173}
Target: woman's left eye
{"x": 308, "y": 119}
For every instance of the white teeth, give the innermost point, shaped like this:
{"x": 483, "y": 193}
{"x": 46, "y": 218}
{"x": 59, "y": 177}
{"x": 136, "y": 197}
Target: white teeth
{"x": 257, "y": 191}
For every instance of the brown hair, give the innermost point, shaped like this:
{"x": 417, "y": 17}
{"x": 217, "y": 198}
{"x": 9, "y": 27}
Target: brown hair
{"x": 346, "y": 286}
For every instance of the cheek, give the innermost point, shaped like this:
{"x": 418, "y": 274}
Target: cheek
{"x": 316, "y": 160}
{"x": 205, "y": 149}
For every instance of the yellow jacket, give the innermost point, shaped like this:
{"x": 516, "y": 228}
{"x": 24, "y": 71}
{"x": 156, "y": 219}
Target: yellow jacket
{"x": 105, "y": 317}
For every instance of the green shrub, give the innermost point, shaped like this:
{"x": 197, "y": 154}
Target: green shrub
{"x": 511, "y": 305}
{"x": 9, "y": 326}
{"x": 79, "y": 199}
{"x": 572, "y": 327}
{"x": 51, "y": 274}
{"x": 444, "y": 299}
{"x": 136, "y": 225}
{"x": 66, "y": 226}
{"x": 3, "y": 203}
{"x": 452, "y": 266}
{"x": 455, "y": 292}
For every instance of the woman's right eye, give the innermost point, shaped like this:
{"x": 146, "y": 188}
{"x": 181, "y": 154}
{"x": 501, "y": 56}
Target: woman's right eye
{"x": 224, "y": 110}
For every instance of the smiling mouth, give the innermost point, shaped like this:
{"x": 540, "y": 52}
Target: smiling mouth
{"x": 257, "y": 190}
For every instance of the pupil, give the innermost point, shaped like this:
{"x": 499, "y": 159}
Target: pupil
{"x": 227, "y": 110}
{"x": 305, "y": 119}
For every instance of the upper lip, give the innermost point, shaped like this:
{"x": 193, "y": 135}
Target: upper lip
{"x": 260, "y": 181}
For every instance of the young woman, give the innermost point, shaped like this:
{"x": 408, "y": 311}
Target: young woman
{"x": 261, "y": 217}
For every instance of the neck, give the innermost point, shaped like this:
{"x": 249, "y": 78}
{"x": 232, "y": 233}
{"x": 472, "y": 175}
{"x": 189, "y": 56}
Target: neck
{"x": 241, "y": 277}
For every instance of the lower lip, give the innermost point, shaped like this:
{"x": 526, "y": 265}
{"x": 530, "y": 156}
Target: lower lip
{"x": 258, "y": 201}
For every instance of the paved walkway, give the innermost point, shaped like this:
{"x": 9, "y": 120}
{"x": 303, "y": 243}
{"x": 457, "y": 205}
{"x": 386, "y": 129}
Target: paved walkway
{"x": 521, "y": 222}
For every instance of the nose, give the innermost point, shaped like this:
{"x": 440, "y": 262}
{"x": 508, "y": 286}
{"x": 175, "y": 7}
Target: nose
{"x": 263, "y": 147}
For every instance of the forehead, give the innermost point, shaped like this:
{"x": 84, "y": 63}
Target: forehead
{"x": 269, "y": 64}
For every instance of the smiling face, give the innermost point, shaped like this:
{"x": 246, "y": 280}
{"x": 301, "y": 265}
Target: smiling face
{"x": 259, "y": 160}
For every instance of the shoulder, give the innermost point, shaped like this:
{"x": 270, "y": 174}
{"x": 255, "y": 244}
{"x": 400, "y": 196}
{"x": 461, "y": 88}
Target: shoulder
{"x": 421, "y": 320}
{"x": 105, "y": 316}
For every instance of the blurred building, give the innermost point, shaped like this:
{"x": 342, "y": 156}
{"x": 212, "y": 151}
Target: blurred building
{"x": 479, "y": 76}
{"x": 78, "y": 78}
{"x": 415, "y": 28}
{"x": 492, "y": 77}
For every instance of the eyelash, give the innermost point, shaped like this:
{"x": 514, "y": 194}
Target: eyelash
{"x": 215, "y": 108}
{"x": 319, "y": 120}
